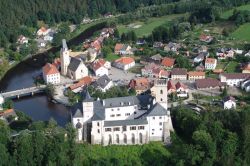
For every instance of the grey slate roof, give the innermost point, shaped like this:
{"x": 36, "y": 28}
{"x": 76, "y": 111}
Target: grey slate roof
{"x": 77, "y": 111}
{"x": 74, "y": 64}
{"x": 102, "y": 82}
{"x": 64, "y": 44}
{"x": 121, "y": 101}
{"x": 157, "y": 110}
{"x": 125, "y": 122}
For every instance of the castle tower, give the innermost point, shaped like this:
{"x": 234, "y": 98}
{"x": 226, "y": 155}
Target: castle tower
{"x": 64, "y": 56}
{"x": 161, "y": 92}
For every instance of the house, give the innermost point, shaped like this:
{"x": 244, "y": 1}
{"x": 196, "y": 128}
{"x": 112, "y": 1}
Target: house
{"x": 200, "y": 67}
{"x": 195, "y": 75}
{"x": 174, "y": 47}
{"x": 224, "y": 53}
{"x": 201, "y": 57}
{"x": 8, "y": 115}
{"x": 163, "y": 74}
{"x": 248, "y": 53}
{"x": 72, "y": 67}
{"x": 245, "y": 85}
{"x": 123, "y": 49}
{"x": 148, "y": 70}
{"x": 140, "y": 85}
{"x": 168, "y": 62}
{"x": 22, "y": 40}
{"x": 218, "y": 71}
{"x": 119, "y": 120}
{"x": 229, "y": 103}
{"x": 141, "y": 41}
{"x": 51, "y": 75}
{"x": 48, "y": 38}
{"x": 208, "y": 83}
{"x": 181, "y": 89}
{"x": 171, "y": 87}
{"x": 246, "y": 68}
{"x": 101, "y": 67}
{"x": 43, "y": 31}
{"x": 238, "y": 52}
{"x": 206, "y": 38}
{"x": 41, "y": 43}
{"x": 103, "y": 83}
{"x": 158, "y": 45}
{"x": 78, "y": 87}
{"x": 157, "y": 58}
{"x": 210, "y": 63}
{"x": 179, "y": 74}
{"x": 202, "y": 49}
{"x": 233, "y": 79}
{"x": 124, "y": 63}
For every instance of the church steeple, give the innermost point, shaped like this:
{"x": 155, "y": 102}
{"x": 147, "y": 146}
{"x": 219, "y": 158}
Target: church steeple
{"x": 64, "y": 57}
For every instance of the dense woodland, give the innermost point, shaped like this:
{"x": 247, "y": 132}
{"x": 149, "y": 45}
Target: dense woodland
{"x": 210, "y": 138}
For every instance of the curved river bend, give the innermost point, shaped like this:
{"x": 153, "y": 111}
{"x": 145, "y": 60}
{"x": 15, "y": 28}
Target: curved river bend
{"x": 21, "y": 76}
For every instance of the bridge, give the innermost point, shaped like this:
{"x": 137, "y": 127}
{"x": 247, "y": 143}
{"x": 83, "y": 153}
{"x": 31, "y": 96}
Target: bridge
{"x": 23, "y": 92}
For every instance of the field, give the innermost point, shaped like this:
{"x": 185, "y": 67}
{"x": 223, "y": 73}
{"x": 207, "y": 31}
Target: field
{"x": 145, "y": 28}
{"x": 112, "y": 57}
{"x": 242, "y": 33}
{"x": 229, "y": 13}
{"x": 231, "y": 67}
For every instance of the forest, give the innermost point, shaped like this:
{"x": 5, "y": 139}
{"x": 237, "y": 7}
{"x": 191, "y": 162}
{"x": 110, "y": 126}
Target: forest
{"x": 209, "y": 138}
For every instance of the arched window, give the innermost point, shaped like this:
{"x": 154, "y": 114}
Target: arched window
{"x": 117, "y": 139}
{"x": 140, "y": 138}
{"x": 125, "y": 139}
{"x": 161, "y": 91}
{"x": 133, "y": 139}
{"x": 110, "y": 139}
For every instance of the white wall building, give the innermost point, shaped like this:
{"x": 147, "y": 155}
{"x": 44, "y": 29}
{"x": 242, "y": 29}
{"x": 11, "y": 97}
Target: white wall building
{"x": 50, "y": 74}
{"x": 124, "y": 120}
{"x": 124, "y": 63}
{"x": 210, "y": 63}
{"x": 229, "y": 103}
{"x": 233, "y": 79}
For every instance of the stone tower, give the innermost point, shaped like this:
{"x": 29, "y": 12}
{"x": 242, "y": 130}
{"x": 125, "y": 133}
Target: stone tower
{"x": 64, "y": 56}
{"x": 161, "y": 92}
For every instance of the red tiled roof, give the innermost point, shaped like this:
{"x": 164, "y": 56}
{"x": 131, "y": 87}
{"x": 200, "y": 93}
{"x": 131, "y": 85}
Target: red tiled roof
{"x": 49, "y": 69}
{"x": 179, "y": 71}
{"x": 118, "y": 47}
{"x": 180, "y": 85}
{"x": 125, "y": 60}
{"x": 171, "y": 85}
{"x": 83, "y": 82}
{"x": 210, "y": 60}
{"x": 98, "y": 63}
{"x": 168, "y": 62}
{"x": 8, "y": 111}
{"x": 196, "y": 73}
{"x": 236, "y": 75}
{"x": 207, "y": 83}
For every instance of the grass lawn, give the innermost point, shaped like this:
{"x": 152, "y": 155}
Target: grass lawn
{"x": 231, "y": 67}
{"x": 112, "y": 57}
{"x": 145, "y": 28}
{"x": 242, "y": 32}
{"x": 229, "y": 13}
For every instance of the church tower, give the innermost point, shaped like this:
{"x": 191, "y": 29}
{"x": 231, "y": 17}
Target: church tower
{"x": 161, "y": 92}
{"x": 64, "y": 56}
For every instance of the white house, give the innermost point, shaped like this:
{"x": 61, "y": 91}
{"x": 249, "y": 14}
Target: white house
{"x": 181, "y": 90}
{"x": 51, "y": 74}
{"x": 229, "y": 103}
{"x": 101, "y": 67}
{"x": 124, "y": 120}
{"x": 22, "y": 40}
{"x": 43, "y": 31}
{"x": 210, "y": 63}
{"x": 103, "y": 83}
{"x": 124, "y": 63}
{"x": 233, "y": 79}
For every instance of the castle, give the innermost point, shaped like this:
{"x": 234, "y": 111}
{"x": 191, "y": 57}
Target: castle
{"x": 71, "y": 66}
{"x": 124, "y": 120}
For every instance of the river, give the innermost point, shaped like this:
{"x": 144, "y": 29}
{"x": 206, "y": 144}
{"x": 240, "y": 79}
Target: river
{"x": 21, "y": 76}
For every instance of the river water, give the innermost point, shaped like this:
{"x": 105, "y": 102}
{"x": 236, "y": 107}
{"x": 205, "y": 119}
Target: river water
{"x": 21, "y": 76}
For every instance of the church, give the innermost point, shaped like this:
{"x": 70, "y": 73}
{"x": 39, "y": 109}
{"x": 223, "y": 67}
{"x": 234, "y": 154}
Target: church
{"x": 124, "y": 120}
{"x": 71, "y": 66}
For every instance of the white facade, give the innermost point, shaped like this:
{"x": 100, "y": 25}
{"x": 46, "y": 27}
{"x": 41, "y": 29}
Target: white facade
{"x": 125, "y": 66}
{"x": 65, "y": 59}
{"x": 230, "y": 104}
{"x": 125, "y": 120}
{"x": 101, "y": 71}
{"x": 52, "y": 78}
{"x": 210, "y": 66}
{"x": 107, "y": 87}
{"x": 233, "y": 79}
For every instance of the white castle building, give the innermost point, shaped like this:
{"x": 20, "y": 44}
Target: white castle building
{"x": 73, "y": 67}
{"x": 124, "y": 120}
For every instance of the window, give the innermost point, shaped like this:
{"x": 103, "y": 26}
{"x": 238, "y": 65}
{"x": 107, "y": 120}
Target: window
{"x": 98, "y": 131}
{"x": 160, "y": 117}
{"x": 112, "y": 109}
{"x": 124, "y": 128}
{"x": 133, "y": 138}
{"x": 161, "y": 99}
{"x": 117, "y": 139}
{"x": 153, "y": 117}
{"x": 161, "y": 92}
{"x": 107, "y": 129}
{"x": 118, "y": 115}
{"x": 140, "y": 138}
{"x": 112, "y": 115}
{"x": 127, "y": 114}
{"x": 132, "y": 128}
{"x": 125, "y": 139}
{"x": 98, "y": 124}
{"x": 134, "y": 112}
{"x": 118, "y": 109}
{"x": 152, "y": 133}
{"x": 141, "y": 128}
{"x": 160, "y": 123}
{"x": 153, "y": 129}
{"x": 160, "y": 128}
{"x": 117, "y": 129}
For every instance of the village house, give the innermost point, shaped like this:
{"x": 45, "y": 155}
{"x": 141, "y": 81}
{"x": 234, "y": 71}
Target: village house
{"x": 158, "y": 45}
{"x": 245, "y": 85}
{"x": 81, "y": 84}
{"x": 179, "y": 74}
{"x": 206, "y": 38}
{"x": 202, "y": 49}
{"x": 171, "y": 87}
{"x": 8, "y": 115}
{"x": 238, "y": 52}
{"x": 229, "y": 103}
{"x": 22, "y": 40}
{"x": 201, "y": 56}
{"x": 119, "y": 120}
{"x": 181, "y": 89}
{"x": 140, "y": 85}
{"x": 141, "y": 41}
{"x": 124, "y": 63}
{"x": 43, "y": 31}
{"x": 174, "y": 47}
{"x": 233, "y": 79}
{"x": 246, "y": 68}
{"x": 168, "y": 62}
{"x": 107, "y": 32}
{"x": 224, "y": 53}
{"x": 148, "y": 70}
{"x": 195, "y": 75}
{"x": 101, "y": 67}
{"x": 72, "y": 67}
{"x": 51, "y": 75}
{"x": 123, "y": 49}
{"x": 210, "y": 63}
{"x": 208, "y": 83}
{"x": 157, "y": 58}
{"x": 103, "y": 83}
